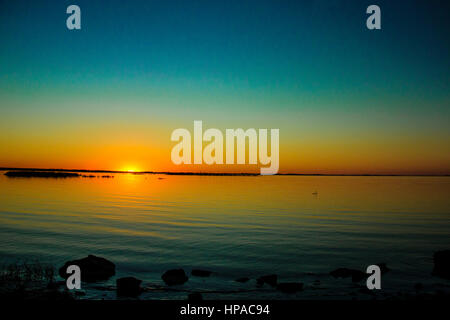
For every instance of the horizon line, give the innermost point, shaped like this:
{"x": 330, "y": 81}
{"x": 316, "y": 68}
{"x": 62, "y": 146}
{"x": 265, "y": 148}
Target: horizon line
{"x": 226, "y": 173}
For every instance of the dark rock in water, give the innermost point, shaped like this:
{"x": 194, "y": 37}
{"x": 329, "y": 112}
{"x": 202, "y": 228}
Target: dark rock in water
{"x": 242, "y": 280}
{"x": 200, "y": 273}
{"x": 356, "y": 275}
{"x": 129, "y": 287}
{"x": 174, "y": 277}
{"x": 92, "y": 268}
{"x": 290, "y": 287}
{"x": 196, "y": 296}
{"x": 442, "y": 264}
{"x": 270, "y": 279}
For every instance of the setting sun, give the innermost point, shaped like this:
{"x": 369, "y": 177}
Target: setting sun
{"x": 130, "y": 169}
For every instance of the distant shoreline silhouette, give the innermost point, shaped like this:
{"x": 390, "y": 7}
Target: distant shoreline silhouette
{"x": 212, "y": 173}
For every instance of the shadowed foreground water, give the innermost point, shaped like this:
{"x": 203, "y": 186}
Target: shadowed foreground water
{"x": 298, "y": 227}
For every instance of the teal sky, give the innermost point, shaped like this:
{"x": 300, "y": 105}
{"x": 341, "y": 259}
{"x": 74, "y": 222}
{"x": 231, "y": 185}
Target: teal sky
{"x": 310, "y": 68}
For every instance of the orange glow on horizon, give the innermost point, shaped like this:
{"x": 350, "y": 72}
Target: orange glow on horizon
{"x": 130, "y": 169}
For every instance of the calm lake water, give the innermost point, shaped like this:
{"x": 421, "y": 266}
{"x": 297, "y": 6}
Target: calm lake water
{"x": 235, "y": 227}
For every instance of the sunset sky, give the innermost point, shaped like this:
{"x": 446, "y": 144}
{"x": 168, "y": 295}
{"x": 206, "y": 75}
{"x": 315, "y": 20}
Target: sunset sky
{"x": 346, "y": 99}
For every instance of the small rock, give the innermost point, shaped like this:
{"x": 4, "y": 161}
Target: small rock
{"x": 242, "y": 280}
{"x": 200, "y": 273}
{"x": 129, "y": 287}
{"x": 174, "y": 277}
{"x": 290, "y": 287}
{"x": 270, "y": 279}
{"x": 92, "y": 268}
{"x": 356, "y": 275}
{"x": 196, "y": 296}
{"x": 442, "y": 264}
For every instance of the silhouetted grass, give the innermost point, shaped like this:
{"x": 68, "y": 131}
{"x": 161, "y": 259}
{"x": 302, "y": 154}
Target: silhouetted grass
{"x": 29, "y": 281}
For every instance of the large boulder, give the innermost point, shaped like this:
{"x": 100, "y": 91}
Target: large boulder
{"x": 174, "y": 277}
{"x": 442, "y": 264}
{"x": 92, "y": 268}
{"x": 129, "y": 287}
{"x": 270, "y": 279}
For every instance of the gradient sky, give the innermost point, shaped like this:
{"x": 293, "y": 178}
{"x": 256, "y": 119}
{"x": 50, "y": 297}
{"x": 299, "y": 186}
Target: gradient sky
{"x": 346, "y": 99}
